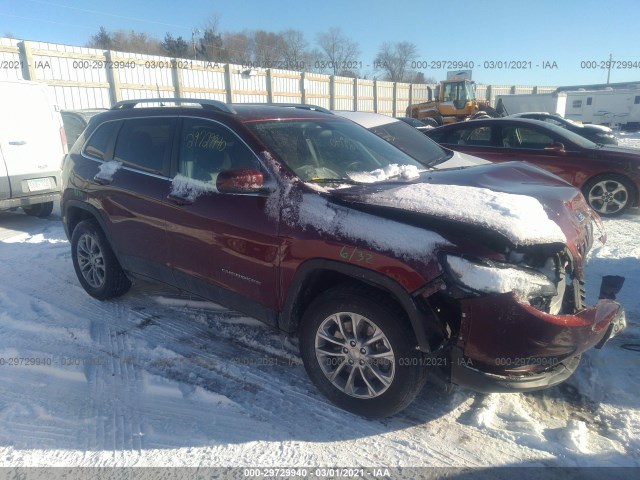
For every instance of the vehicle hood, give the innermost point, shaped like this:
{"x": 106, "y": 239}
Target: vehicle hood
{"x": 517, "y": 201}
{"x": 591, "y": 128}
{"x": 618, "y": 153}
{"x": 459, "y": 159}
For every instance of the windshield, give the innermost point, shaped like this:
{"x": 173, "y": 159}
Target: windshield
{"x": 412, "y": 142}
{"x": 569, "y": 135}
{"x": 412, "y": 121}
{"x": 470, "y": 93}
{"x": 569, "y": 121}
{"x": 334, "y": 150}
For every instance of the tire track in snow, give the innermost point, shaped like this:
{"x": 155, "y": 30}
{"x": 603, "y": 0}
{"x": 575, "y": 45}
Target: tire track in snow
{"x": 283, "y": 410}
{"x": 115, "y": 386}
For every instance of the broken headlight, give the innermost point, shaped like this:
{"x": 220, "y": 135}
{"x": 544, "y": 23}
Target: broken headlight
{"x": 487, "y": 276}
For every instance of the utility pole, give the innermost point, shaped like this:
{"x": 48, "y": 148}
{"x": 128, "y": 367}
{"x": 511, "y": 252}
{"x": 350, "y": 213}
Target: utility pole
{"x": 609, "y": 70}
{"x": 195, "y": 32}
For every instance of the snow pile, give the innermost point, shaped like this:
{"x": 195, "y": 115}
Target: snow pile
{"x": 576, "y": 436}
{"x": 507, "y": 418}
{"x": 496, "y": 280}
{"x": 629, "y": 140}
{"x": 405, "y": 172}
{"x": 520, "y": 218}
{"x": 39, "y": 238}
{"x": 108, "y": 169}
{"x": 189, "y": 188}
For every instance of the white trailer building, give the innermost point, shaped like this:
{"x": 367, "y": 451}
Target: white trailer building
{"x": 606, "y": 106}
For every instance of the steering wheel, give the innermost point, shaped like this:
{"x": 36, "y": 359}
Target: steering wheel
{"x": 352, "y": 166}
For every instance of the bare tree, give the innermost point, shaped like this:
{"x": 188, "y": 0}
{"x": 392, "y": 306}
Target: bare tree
{"x": 340, "y": 52}
{"x": 295, "y": 52}
{"x": 126, "y": 41}
{"x": 394, "y": 59}
{"x": 238, "y": 48}
{"x": 267, "y": 48}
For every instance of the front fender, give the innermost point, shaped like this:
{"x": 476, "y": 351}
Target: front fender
{"x": 428, "y": 330}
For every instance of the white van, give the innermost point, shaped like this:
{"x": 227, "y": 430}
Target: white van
{"x": 32, "y": 147}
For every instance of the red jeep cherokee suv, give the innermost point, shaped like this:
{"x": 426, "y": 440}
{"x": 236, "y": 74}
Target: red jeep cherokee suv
{"x": 384, "y": 267}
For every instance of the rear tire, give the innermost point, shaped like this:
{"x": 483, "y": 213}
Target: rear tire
{"x": 41, "y": 210}
{"x": 609, "y": 194}
{"x": 479, "y": 116}
{"x": 376, "y": 371}
{"x": 430, "y": 121}
{"x": 95, "y": 264}
{"x": 438, "y": 119}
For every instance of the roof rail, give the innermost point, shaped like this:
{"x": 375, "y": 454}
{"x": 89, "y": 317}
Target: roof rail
{"x": 302, "y": 106}
{"x": 203, "y": 102}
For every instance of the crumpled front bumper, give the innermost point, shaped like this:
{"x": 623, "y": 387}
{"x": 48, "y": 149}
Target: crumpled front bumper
{"x": 506, "y": 345}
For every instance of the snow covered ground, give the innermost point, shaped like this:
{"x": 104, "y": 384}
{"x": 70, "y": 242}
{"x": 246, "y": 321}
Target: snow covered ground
{"x": 157, "y": 379}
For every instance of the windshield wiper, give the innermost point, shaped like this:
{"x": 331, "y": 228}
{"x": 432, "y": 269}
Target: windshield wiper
{"x": 333, "y": 180}
{"x": 399, "y": 175}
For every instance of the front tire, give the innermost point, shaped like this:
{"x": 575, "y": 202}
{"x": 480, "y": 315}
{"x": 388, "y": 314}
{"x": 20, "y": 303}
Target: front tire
{"x": 609, "y": 194}
{"x": 360, "y": 351}
{"x": 40, "y": 210}
{"x": 95, "y": 264}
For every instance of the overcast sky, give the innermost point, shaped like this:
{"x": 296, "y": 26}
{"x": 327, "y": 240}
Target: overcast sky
{"x": 533, "y": 33}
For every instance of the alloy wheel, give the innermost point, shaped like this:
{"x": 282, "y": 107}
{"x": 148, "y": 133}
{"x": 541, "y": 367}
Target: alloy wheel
{"x": 355, "y": 355}
{"x": 91, "y": 260}
{"x": 608, "y": 196}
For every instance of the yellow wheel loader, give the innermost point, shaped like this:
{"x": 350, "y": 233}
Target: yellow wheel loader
{"x": 455, "y": 101}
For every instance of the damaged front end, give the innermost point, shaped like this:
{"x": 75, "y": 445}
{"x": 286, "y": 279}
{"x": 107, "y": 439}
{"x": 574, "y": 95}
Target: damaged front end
{"x": 518, "y": 321}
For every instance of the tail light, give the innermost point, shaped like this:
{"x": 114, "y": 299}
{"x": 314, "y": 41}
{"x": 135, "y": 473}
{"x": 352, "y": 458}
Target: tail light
{"x": 63, "y": 139}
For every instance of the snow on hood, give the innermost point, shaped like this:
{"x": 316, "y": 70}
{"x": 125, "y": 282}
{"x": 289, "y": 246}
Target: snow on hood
{"x": 594, "y": 127}
{"x": 309, "y": 210}
{"x": 406, "y": 172}
{"x": 107, "y": 170}
{"x": 404, "y": 241}
{"x": 520, "y": 218}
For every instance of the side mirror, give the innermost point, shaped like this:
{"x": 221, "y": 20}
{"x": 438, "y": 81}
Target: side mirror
{"x": 240, "y": 180}
{"x": 555, "y": 148}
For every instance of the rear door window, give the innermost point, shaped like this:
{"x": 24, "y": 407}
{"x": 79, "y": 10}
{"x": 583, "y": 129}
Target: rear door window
{"x": 479, "y": 136}
{"x": 145, "y": 144}
{"x": 519, "y": 137}
{"x": 99, "y": 143}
